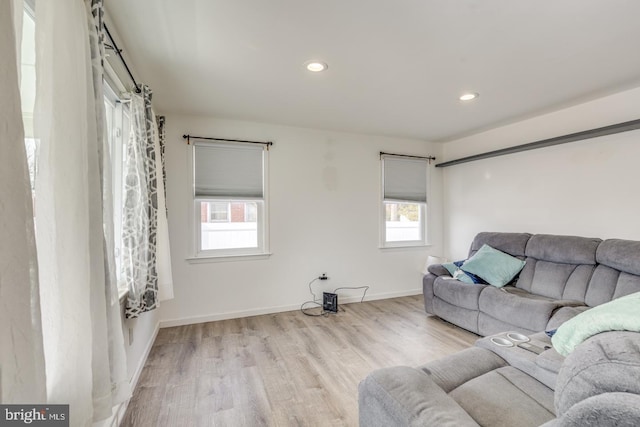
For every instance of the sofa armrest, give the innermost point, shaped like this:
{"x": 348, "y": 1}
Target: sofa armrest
{"x": 403, "y": 396}
{"x": 456, "y": 369}
{"x": 438, "y": 270}
{"x": 435, "y": 271}
{"x": 604, "y": 410}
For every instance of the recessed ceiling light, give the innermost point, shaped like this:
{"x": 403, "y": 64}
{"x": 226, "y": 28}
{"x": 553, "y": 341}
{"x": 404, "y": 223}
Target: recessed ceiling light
{"x": 468, "y": 96}
{"x": 316, "y": 66}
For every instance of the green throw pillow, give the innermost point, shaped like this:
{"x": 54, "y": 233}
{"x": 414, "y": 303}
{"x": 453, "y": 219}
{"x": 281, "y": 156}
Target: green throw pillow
{"x": 620, "y": 314}
{"x": 493, "y": 266}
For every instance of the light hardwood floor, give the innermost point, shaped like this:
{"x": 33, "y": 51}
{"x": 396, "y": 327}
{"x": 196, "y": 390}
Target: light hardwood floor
{"x": 284, "y": 369}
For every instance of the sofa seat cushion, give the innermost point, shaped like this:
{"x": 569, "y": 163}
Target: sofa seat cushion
{"x": 462, "y": 317}
{"x": 457, "y": 293}
{"x": 506, "y": 397}
{"x": 403, "y": 396}
{"x": 519, "y": 307}
{"x": 456, "y": 369}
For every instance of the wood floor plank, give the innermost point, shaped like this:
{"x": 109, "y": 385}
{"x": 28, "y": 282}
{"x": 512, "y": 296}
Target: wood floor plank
{"x": 283, "y": 369}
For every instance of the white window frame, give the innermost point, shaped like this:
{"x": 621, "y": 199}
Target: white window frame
{"x": 423, "y": 209}
{"x": 262, "y": 249}
{"x": 120, "y": 132}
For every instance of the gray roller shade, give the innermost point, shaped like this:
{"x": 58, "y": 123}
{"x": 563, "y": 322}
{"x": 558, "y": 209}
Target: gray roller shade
{"x": 405, "y": 179}
{"x": 228, "y": 171}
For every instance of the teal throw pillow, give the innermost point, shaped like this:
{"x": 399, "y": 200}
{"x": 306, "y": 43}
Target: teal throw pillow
{"x": 457, "y": 273}
{"x": 493, "y": 266}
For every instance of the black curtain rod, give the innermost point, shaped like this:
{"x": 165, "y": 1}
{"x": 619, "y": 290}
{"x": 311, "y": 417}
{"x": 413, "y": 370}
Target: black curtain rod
{"x": 119, "y": 53}
{"x": 188, "y": 137}
{"x": 572, "y": 137}
{"x": 382, "y": 153}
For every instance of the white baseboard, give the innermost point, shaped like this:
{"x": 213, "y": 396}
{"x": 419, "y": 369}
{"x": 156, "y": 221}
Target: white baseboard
{"x": 136, "y": 375}
{"x": 278, "y": 309}
{"x": 118, "y": 416}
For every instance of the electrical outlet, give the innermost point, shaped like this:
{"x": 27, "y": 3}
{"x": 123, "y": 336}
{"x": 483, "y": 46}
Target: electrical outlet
{"x": 323, "y": 276}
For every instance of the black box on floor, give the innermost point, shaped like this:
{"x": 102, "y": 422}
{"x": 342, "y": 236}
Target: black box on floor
{"x": 330, "y": 302}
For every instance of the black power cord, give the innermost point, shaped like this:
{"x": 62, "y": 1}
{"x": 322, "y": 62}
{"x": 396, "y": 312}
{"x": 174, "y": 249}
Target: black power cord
{"x": 316, "y": 300}
{"x": 366, "y": 288}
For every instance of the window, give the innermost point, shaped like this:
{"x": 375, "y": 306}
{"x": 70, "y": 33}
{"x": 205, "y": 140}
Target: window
{"x": 117, "y": 126}
{"x": 118, "y": 129}
{"x": 28, "y": 90}
{"x": 404, "y": 201}
{"x": 229, "y": 199}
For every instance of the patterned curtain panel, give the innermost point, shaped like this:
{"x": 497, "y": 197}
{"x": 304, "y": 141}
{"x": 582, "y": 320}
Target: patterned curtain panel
{"x": 140, "y": 217}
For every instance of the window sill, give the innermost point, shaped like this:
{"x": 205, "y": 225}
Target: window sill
{"x": 122, "y": 294}
{"x": 227, "y": 258}
{"x": 416, "y": 246}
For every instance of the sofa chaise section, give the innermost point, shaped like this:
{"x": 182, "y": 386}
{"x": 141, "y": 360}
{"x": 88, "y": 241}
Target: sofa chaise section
{"x": 597, "y": 384}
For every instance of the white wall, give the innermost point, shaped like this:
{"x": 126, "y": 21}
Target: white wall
{"x": 324, "y": 217}
{"x": 585, "y": 188}
{"x": 139, "y": 334}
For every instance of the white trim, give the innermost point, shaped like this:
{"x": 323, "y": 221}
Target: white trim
{"x": 279, "y": 309}
{"x": 118, "y": 412}
{"x": 409, "y": 245}
{"x": 133, "y": 381}
{"x": 227, "y": 258}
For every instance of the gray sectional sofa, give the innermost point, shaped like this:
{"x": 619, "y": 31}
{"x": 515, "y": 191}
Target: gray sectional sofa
{"x": 597, "y": 384}
{"x": 563, "y": 276}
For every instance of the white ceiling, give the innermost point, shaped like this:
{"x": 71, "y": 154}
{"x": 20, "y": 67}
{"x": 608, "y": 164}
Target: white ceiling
{"x": 396, "y": 67}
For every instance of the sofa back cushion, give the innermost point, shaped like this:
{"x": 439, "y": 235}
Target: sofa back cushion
{"x": 559, "y": 267}
{"x": 617, "y": 273}
{"x": 512, "y": 243}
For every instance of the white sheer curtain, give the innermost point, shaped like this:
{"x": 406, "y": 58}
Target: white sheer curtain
{"x": 163, "y": 254}
{"x": 21, "y": 357}
{"x": 83, "y": 344}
